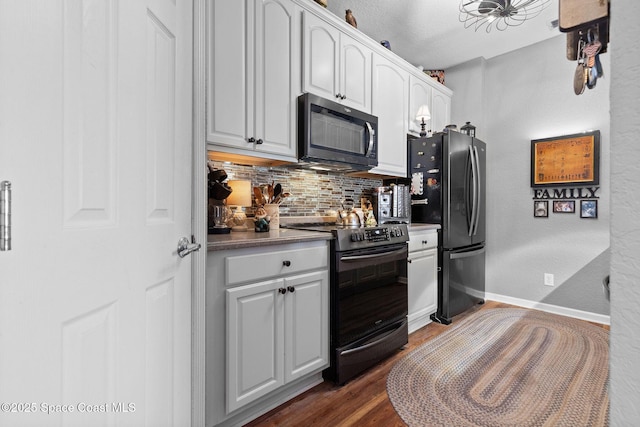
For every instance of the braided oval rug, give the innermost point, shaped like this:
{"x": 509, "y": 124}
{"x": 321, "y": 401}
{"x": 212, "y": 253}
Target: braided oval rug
{"x": 506, "y": 367}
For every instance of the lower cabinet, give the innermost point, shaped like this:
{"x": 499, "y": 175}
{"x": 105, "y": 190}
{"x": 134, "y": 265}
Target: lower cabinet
{"x": 277, "y": 331}
{"x": 422, "y": 277}
{"x": 267, "y": 327}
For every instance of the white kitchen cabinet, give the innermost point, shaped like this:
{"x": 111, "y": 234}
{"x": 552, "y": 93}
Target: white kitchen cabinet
{"x": 336, "y": 66}
{"x": 277, "y": 331}
{"x": 440, "y": 110}
{"x": 424, "y": 91}
{"x": 390, "y": 103}
{"x": 255, "y": 336}
{"x": 267, "y": 327}
{"x": 253, "y": 61}
{"x": 420, "y": 93}
{"x": 422, "y": 278}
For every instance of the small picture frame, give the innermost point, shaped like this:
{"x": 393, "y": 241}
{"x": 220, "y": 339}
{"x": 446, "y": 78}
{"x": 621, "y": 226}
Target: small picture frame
{"x": 541, "y": 208}
{"x": 564, "y": 206}
{"x": 588, "y": 209}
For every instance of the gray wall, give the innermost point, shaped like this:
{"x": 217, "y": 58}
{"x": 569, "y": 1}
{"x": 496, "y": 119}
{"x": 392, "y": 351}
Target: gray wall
{"x": 512, "y": 99}
{"x": 625, "y": 205}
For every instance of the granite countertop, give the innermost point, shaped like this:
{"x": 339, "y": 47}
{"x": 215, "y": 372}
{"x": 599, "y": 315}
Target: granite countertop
{"x": 251, "y": 239}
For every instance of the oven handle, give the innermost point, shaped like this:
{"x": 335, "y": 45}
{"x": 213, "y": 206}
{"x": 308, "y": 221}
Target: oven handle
{"x": 378, "y": 255}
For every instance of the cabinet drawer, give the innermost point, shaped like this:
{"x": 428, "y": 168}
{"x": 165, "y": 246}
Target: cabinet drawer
{"x": 245, "y": 268}
{"x": 422, "y": 240}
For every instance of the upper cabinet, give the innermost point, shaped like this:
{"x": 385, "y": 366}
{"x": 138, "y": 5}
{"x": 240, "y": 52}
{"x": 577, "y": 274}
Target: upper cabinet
{"x": 262, "y": 54}
{"x": 390, "y": 102}
{"x": 336, "y": 66}
{"x": 424, "y": 91}
{"x": 419, "y": 94}
{"x": 440, "y": 109}
{"x": 253, "y": 77}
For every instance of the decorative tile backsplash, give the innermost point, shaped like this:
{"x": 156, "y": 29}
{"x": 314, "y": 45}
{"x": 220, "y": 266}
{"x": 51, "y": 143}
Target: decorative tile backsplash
{"x": 312, "y": 192}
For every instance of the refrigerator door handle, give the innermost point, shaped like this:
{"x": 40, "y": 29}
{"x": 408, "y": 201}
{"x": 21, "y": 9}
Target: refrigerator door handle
{"x": 479, "y": 195}
{"x": 468, "y": 194}
{"x": 474, "y": 196}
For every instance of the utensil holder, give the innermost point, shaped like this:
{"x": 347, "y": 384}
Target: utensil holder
{"x": 273, "y": 211}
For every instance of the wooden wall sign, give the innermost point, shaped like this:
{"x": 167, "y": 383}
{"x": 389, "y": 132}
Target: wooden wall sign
{"x": 580, "y": 13}
{"x": 567, "y": 160}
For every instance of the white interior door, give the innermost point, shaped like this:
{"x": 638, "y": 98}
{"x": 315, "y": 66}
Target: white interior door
{"x": 95, "y": 138}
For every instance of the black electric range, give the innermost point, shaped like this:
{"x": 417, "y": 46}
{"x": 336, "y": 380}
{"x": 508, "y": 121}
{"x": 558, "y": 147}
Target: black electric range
{"x": 368, "y": 295}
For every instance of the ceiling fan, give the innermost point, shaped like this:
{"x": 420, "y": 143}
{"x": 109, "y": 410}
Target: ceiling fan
{"x": 500, "y": 14}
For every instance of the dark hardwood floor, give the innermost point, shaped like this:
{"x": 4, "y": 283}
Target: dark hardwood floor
{"x": 361, "y": 402}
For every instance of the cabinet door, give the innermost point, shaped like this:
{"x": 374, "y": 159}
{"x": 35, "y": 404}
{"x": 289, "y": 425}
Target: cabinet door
{"x": 419, "y": 95}
{"x": 321, "y": 57}
{"x": 440, "y": 110}
{"x": 422, "y": 277}
{"x": 390, "y": 101}
{"x": 277, "y": 76}
{"x": 255, "y": 338}
{"x": 227, "y": 53}
{"x": 355, "y": 74}
{"x": 306, "y": 324}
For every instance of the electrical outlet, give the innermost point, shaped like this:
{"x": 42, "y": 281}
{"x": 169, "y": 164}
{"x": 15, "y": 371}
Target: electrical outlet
{"x": 548, "y": 279}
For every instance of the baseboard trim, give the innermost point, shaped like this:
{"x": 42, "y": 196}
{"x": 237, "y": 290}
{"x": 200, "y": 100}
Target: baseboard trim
{"x": 550, "y": 308}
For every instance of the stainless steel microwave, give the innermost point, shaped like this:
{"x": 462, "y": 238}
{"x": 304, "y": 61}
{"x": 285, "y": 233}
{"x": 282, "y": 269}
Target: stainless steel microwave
{"x": 332, "y": 136}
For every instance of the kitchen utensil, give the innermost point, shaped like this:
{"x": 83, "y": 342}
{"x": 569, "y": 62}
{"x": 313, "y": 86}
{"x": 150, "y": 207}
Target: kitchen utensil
{"x": 258, "y": 195}
{"x": 348, "y": 218}
{"x": 351, "y": 220}
{"x": 277, "y": 190}
{"x": 282, "y": 197}
{"x": 265, "y": 193}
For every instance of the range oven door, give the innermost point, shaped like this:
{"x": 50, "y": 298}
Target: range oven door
{"x": 369, "y": 308}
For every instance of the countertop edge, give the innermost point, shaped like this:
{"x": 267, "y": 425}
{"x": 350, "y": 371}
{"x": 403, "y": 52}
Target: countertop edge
{"x": 251, "y": 239}
{"x": 423, "y": 227}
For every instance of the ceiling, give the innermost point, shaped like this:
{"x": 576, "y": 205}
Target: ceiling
{"x": 429, "y": 32}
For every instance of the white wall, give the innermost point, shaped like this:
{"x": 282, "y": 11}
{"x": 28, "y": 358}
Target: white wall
{"x": 625, "y": 222}
{"x": 512, "y": 99}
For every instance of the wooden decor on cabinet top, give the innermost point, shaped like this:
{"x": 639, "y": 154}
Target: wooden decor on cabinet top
{"x": 579, "y": 13}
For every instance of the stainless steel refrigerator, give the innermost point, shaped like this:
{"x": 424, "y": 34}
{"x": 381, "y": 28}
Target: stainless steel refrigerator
{"x": 448, "y": 178}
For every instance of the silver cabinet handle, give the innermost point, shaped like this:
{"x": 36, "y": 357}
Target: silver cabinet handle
{"x": 5, "y": 216}
{"x": 185, "y": 248}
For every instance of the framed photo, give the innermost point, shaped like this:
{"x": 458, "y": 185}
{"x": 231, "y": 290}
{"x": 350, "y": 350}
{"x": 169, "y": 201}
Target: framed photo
{"x": 541, "y": 208}
{"x": 588, "y": 209}
{"x": 564, "y": 206}
{"x": 566, "y": 160}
